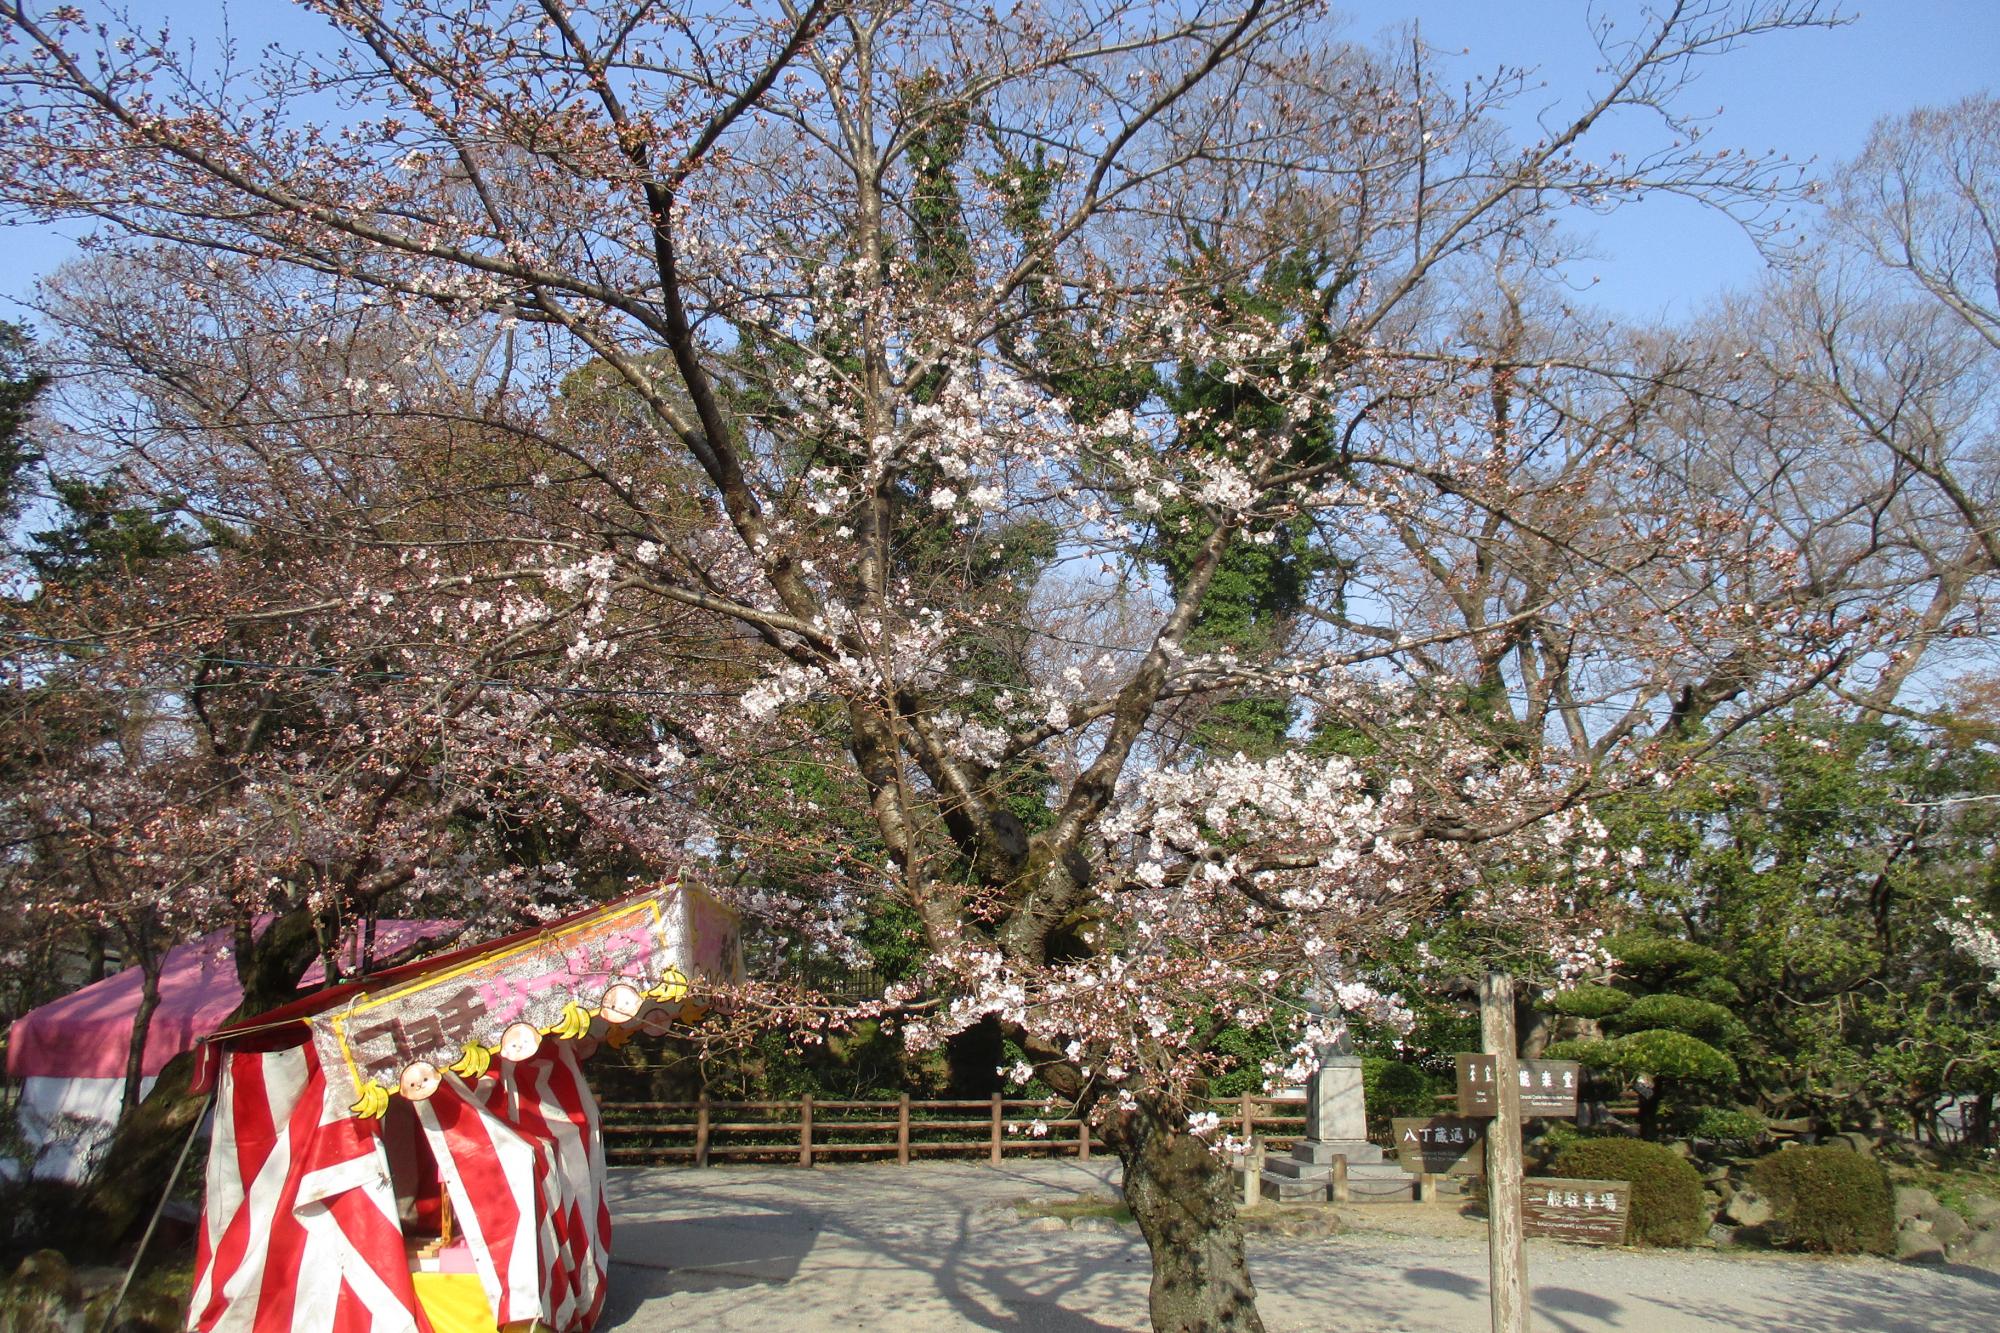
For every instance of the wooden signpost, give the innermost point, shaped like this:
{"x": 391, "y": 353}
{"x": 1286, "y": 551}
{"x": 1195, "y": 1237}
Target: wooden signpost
{"x": 1594, "y": 1212}
{"x": 1440, "y": 1145}
{"x": 1503, "y": 1091}
{"x": 1507, "y": 1258}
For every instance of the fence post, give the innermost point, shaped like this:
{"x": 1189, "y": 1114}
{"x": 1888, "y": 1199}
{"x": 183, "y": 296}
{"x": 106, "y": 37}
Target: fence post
{"x": 995, "y": 1152}
{"x": 1427, "y": 1187}
{"x": 1082, "y": 1135}
{"x": 1339, "y": 1190}
{"x": 701, "y": 1132}
{"x": 1249, "y": 1123}
{"x": 806, "y": 1131}
{"x": 1252, "y": 1183}
{"x": 903, "y": 1130}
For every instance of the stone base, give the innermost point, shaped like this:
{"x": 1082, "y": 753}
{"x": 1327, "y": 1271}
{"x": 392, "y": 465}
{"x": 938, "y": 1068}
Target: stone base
{"x": 1308, "y": 1172}
{"x": 1366, "y": 1183}
{"x": 1358, "y": 1152}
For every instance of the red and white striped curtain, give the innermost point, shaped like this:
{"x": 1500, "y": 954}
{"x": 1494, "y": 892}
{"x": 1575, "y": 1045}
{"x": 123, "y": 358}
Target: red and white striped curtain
{"x": 523, "y": 1161}
{"x": 300, "y": 1230}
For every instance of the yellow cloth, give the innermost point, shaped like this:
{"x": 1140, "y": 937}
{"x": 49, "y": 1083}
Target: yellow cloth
{"x": 454, "y": 1302}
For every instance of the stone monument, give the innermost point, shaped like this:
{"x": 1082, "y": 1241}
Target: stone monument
{"x": 1336, "y": 1127}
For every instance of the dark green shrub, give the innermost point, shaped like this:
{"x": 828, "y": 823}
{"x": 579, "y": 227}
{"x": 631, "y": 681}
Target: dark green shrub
{"x": 1827, "y": 1199}
{"x": 1654, "y": 1053}
{"x": 1589, "y": 1000}
{"x": 1394, "y": 1088}
{"x": 1651, "y": 951}
{"x": 1678, "y": 1013}
{"x": 1666, "y": 1191}
{"x": 1737, "y": 1129}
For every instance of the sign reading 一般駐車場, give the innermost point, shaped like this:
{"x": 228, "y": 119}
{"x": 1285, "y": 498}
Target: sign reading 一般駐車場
{"x": 1440, "y": 1145}
{"x": 1547, "y": 1087}
{"x": 1593, "y": 1212}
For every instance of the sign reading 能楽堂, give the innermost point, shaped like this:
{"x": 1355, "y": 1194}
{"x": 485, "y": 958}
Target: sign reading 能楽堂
{"x": 1547, "y": 1087}
{"x": 1440, "y": 1145}
{"x": 1593, "y": 1212}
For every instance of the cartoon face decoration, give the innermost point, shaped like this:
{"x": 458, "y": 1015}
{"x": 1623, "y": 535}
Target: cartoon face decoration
{"x": 520, "y": 1041}
{"x": 657, "y": 1020}
{"x": 621, "y": 1003}
{"x": 585, "y": 1047}
{"x": 420, "y": 1080}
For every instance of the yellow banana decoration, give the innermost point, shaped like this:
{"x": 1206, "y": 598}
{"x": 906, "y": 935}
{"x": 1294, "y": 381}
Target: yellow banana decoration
{"x": 474, "y": 1063}
{"x": 374, "y": 1102}
{"x": 673, "y": 987}
{"x": 574, "y": 1023}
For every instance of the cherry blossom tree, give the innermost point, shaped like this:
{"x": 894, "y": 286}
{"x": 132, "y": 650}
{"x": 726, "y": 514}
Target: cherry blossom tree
{"x": 944, "y": 373}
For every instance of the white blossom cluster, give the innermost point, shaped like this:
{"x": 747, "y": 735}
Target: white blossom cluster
{"x": 1975, "y": 937}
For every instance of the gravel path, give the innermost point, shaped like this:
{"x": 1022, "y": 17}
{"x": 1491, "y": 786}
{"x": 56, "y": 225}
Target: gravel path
{"x": 940, "y": 1246}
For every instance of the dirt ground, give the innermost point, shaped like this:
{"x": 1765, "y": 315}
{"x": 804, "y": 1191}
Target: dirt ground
{"x": 943, "y": 1246}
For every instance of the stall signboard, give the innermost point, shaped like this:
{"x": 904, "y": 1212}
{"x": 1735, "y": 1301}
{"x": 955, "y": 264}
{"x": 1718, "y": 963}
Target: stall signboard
{"x": 1593, "y": 1212}
{"x": 1440, "y": 1145}
{"x": 613, "y": 966}
{"x": 1548, "y": 1087}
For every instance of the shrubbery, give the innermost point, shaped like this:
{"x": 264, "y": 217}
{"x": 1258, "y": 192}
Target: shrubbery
{"x": 1589, "y": 1000}
{"x": 1666, "y": 1191}
{"x": 1678, "y": 1013}
{"x": 1827, "y": 1199}
{"x": 1738, "y": 1129}
{"x": 1393, "y": 1088}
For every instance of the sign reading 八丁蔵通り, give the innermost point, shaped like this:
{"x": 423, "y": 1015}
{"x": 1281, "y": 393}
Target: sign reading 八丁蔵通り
{"x": 1440, "y": 1145}
{"x": 1591, "y": 1211}
{"x": 1547, "y": 1087}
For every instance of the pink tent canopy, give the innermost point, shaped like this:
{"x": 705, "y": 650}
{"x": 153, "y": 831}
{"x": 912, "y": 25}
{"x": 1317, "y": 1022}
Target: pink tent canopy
{"x": 87, "y": 1034}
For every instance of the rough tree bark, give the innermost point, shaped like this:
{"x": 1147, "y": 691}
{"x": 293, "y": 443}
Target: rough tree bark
{"x": 1179, "y": 1192}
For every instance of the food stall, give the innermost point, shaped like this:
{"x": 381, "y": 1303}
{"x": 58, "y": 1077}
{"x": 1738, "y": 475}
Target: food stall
{"x": 420, "y": 1149}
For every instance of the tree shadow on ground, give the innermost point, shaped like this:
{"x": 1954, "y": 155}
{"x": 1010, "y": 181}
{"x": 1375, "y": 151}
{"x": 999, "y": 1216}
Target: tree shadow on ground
{"x": 984, "y": 1280}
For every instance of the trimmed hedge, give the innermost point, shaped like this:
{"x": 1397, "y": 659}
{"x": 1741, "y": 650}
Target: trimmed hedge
{"x": 1655, "y": 1053}
{"x": 1709, "y": 1022}
{"x": 1828, "y": 1200}
{"x": 1589, "y": 1000}
{"x": 1666, "y": 1190}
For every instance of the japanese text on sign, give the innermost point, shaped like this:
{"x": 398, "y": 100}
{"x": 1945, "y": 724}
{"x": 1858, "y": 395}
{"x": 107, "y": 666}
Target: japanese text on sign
{"x": 1593, "y": 1212}
{"x": 1449, "y": 1145}
{"x": 1547, "y": 1087}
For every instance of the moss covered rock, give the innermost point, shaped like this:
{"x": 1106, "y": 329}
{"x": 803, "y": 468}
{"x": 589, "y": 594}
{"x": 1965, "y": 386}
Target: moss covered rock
{"x": 42, "y": 1296}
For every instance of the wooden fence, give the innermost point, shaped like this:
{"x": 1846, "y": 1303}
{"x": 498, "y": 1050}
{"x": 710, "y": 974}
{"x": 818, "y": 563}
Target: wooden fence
{"x": 809, "y": 1129}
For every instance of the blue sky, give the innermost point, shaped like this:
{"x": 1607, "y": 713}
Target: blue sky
{"x": 1812, "y": 93}
{"x": 1809, "y": 94}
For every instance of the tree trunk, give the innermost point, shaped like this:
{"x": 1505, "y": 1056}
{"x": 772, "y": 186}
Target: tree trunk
{"x": 150, "y": 965}
{"x": 133, "y": 1172}
{"x": 1179, "y": 1193}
